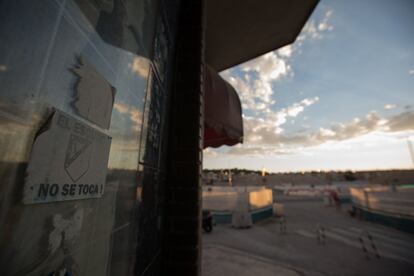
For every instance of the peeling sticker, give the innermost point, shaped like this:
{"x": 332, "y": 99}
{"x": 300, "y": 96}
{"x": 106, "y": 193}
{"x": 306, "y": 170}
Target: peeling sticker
{"x": 94, "y": 95}
{"x": 68, "y": 161}
{"x": 65, "y": 230}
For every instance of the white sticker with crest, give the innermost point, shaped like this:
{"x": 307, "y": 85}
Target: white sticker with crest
{"x": 68, "y": 161}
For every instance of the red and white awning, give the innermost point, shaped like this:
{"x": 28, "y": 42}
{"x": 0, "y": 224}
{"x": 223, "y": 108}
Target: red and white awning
{"x": 223, "y": 122}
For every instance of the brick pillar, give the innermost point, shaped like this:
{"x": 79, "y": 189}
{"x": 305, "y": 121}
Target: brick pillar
{"x": 182, "y": 243}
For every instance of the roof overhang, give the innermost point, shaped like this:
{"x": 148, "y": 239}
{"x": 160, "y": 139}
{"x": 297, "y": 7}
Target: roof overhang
{"x": 237, "y": 31}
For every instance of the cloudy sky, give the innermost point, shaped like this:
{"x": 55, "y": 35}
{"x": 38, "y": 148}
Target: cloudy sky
{"x": 340, "y": 97}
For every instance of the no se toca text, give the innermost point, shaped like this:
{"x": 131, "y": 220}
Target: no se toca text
{"x": 52, "y": 190}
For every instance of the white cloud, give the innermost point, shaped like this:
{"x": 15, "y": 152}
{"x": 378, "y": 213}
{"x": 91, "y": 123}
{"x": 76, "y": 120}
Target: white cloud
{"x": 130, "y": 112}
{"x": 401, "y": 122}
{"x": 140, "y": 66}
{"x": 390, "y": 106}
{"x": 285, "y": 51}
{"x": 266, "y": 137}
{"x": 266, "y": 130}
{"x": 411, "y": 72}
{"x": 249, "y": 96}
{"x": 257, "y": 150}
{"x": 357, "y": 127}
{"x": 209, "y": 152}
{"x": 269, "y": 66}
{"x": 314, "y": 29}
{"x": 326, "y": 132}
{"x": 255, "y": 84}
{"x": 297, "y": 108}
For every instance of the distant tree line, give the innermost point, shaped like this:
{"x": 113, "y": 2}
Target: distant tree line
{"x": 233, "y": 171}
{"x": 347, "y": 175}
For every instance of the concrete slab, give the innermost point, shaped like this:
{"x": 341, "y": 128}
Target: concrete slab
{"x": 298, "y": 250}
{"x": 221, "y": 260}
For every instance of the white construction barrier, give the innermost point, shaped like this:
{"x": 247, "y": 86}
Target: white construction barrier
{"x": 382, "y": 198}
{"x": 260, "y": 199}
{"x": 236, "y": 198}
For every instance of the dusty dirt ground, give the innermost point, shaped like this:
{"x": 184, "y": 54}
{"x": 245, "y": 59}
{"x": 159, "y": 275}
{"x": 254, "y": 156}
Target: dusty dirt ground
{"x": 263, "y": 250}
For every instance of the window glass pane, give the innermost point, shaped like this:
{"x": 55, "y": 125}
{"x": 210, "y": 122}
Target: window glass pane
{"x": 55, "y": 58}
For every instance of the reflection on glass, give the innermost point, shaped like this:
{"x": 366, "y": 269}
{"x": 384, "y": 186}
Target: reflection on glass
{"x": 36, "y": 74}
{"x": 125, "y": 24}
{"x": 94, "y": 95}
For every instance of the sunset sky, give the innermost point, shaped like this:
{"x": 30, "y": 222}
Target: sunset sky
{"x": 340, "y": 97}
